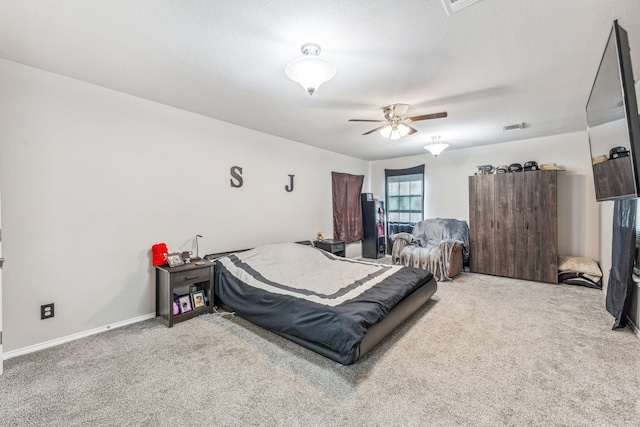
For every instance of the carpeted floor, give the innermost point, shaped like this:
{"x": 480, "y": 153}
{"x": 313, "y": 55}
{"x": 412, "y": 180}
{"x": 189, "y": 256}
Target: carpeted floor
{"x": 485, "y": 351}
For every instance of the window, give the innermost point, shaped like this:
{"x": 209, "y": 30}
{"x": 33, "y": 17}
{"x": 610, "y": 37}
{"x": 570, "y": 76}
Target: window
{"x": 405, "y": 194}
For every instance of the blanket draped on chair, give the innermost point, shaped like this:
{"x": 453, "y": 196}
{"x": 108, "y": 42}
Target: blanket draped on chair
{"x": 431, "y": 244}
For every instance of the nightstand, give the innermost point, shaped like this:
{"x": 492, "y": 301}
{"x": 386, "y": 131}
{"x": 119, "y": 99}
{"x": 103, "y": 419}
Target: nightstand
{"x": 336, "y": 247}
{"x": 186, "y": 283}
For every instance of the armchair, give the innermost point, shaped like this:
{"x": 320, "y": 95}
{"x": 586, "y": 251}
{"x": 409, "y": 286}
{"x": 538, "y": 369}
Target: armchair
{"x": 439, "y": 245}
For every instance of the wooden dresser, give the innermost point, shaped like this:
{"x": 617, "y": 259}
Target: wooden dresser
{"x": 513, "y": 225}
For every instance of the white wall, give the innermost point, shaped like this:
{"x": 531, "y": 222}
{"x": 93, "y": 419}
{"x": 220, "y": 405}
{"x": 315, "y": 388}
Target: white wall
{"x": 92, "y": 178}
{"x": 447, "y": 186}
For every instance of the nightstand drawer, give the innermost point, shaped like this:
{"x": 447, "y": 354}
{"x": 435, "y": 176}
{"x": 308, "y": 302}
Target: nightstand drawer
{"x": 191, "y": 276}
{"x": 337, "y": 247}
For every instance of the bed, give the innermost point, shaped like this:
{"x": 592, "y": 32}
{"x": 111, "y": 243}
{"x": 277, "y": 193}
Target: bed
{"x": 337, "y": 307}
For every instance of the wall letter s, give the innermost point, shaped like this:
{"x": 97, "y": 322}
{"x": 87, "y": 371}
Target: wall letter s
{"x": 236, "y": 172}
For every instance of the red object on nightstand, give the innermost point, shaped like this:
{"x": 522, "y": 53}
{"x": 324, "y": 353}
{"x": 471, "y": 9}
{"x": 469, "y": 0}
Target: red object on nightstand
{"x": 159, "y": 251}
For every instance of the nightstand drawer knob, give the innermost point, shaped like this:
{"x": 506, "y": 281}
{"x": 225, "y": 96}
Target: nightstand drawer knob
{"x": 191, "y": 277}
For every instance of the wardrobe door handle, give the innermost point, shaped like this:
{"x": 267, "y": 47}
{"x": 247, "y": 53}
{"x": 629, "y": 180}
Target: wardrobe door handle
{"x": 491, "y": 223}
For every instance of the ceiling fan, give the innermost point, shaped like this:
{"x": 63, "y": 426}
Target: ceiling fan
{"x": 396, "y": 125}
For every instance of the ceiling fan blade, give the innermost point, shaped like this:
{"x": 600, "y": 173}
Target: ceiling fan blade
{"x": 375, "y": 130}
{"x": 364, "y": 120}
{"x": 399, "y": 110}
{"x": 428, "y": 116}
{"x": 411, "y": 130}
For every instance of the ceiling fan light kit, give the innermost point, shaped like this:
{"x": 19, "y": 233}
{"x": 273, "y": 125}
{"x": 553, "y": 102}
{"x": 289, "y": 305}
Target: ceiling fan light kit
{"x": 394, "y": 132}
{"x": 310, "y": 70}
{"x": 403, "y": 129}
{"x": 436, "y": 147}
{"x": 395, "y": 125}
{"x": 386, "y": 131}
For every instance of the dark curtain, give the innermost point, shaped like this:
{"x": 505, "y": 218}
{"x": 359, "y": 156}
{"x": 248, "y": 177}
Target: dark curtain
{"x": 623, "y": 252}
{"x": 347, "y": 209}
{"x": 408, "y": 171}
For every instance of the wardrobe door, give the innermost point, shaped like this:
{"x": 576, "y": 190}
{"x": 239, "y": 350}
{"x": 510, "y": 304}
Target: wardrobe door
{"x": 521, "y": 252}
{"x": 540, "y": 227}
{"x": 473, "y": 223}
{"x": 481, "y": 224}
{"x": 507, "y": 192}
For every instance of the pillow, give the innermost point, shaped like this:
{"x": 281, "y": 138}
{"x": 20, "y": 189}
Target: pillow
{"x": 579, "y": 265}
{"x": 581, "y": 279}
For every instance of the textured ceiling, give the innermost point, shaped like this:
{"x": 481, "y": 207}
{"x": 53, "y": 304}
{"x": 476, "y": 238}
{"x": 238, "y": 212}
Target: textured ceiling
{"x": 492, "y": 64}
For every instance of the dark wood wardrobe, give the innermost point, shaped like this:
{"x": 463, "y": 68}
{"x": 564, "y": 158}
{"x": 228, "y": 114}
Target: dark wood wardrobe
{"x": 513, "y": 225}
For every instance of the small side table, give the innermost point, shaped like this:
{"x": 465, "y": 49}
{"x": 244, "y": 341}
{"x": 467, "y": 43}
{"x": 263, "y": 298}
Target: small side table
{"x": 336, "y": 247}
{"x": 189, "y": 281}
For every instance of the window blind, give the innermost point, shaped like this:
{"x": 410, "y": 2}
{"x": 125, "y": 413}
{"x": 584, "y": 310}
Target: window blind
{"x": 405, "y": 194}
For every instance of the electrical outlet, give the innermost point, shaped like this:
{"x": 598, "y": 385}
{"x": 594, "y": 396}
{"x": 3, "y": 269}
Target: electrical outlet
{"x": 46, "y": 311}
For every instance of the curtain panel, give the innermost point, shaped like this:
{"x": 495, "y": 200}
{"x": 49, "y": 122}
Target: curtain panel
{"x": 620, "y": 284}
{"x": 408, "y": 171}
{"x": 347, "y": 209}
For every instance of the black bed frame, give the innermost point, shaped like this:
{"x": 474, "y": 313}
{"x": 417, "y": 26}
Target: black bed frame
{"x": 376, "y": 333}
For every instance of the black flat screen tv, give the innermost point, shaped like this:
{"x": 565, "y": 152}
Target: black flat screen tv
{"x": 613, "y": 124}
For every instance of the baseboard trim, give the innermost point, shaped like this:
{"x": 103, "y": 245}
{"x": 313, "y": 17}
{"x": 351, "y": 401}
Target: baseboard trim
{"x": 73, "y": 337}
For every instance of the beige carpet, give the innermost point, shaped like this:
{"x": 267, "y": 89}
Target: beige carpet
{"x": 485, "y": 351}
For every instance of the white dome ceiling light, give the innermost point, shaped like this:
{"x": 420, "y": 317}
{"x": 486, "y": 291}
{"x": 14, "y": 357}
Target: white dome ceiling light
{"x": 436, "y": 147}
{"x": 310, "y": 70}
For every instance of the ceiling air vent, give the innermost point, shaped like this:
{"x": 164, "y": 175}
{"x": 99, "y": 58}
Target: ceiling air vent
{"x": 511, "y": 128}
{"x": 452, "y": 6}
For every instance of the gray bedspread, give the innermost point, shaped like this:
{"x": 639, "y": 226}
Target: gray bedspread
{"x": 311, "y": 294}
